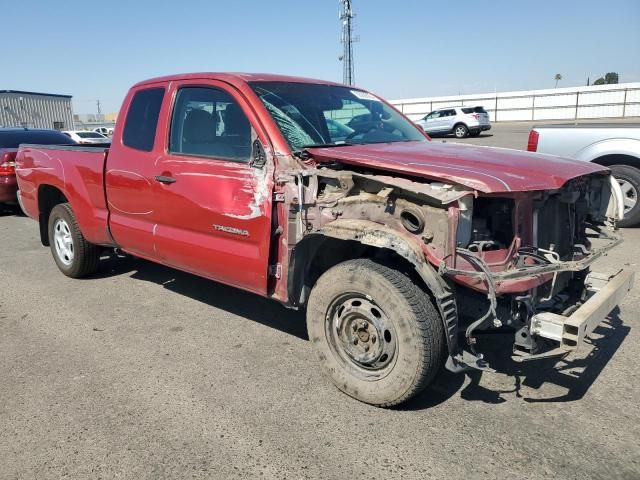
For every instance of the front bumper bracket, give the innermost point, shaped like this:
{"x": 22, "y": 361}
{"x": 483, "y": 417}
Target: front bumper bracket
{"x": 605, "y": 293}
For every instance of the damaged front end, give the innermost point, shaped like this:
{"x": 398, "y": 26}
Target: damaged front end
{"x": 517, "y": 260}
{"x": 525, "y": 260}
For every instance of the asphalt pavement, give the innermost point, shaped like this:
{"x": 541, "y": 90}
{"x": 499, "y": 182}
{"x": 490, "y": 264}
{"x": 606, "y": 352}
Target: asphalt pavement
{"x": 145, "y": 372}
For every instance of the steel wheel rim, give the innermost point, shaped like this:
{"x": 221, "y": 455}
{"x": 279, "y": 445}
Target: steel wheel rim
{"x": 361, "y": 336}
{"x": 629, "y": 194}
{"x": 63, "y": 241}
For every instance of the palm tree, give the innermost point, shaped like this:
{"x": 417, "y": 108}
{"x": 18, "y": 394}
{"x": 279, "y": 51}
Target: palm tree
{"x": 557, "y": 78}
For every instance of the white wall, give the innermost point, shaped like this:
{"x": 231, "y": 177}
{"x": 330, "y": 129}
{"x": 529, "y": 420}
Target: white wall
{"x": 573, "y": 103}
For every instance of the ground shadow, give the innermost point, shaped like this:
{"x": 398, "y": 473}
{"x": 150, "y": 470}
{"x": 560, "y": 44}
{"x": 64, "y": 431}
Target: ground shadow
{"x": 575, "y": 374}
{"x": 230, "y": 299}
{"x": 9, "y": 210}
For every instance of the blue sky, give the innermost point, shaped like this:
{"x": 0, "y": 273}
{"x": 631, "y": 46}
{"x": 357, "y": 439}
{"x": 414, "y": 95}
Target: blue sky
{"x": 407, "y": 48}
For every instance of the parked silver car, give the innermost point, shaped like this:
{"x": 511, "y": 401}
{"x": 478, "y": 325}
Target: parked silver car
{"x": 461, "y": 121}
{"x": 615, "y": 145}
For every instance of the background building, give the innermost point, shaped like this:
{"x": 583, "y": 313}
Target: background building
{"x": 35, "y": 110}
{"x": 89, "y": 121}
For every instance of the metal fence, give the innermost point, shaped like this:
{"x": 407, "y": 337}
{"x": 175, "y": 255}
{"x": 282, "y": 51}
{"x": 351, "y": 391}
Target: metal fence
{"x": 596, "y": 101}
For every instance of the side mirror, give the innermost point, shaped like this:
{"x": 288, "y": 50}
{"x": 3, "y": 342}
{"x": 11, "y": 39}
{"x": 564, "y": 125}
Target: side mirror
{"x": 258, "y": 155}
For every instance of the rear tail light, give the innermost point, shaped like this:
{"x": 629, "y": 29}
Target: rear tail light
{"x": 7, "y": 164}
{"x": 476, "y": 116}
{"x": 532, "y": 144}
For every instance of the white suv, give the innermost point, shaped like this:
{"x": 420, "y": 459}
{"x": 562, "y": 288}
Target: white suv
{"x": 461, "y": 121}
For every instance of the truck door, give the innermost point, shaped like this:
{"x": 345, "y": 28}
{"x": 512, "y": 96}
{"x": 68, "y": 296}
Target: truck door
{"x": 213, "y": 207}
{"x": 448, "y": 120}
{"x": 130, "y": 171}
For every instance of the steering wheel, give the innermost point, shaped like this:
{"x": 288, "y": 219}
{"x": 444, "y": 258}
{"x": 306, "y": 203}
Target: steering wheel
{"x": 354, "y": 134}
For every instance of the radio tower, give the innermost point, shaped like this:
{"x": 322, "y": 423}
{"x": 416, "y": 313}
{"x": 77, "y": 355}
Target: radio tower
{"x": 347, "y": 39}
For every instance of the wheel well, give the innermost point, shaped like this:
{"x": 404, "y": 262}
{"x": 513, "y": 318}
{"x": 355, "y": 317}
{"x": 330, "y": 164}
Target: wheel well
{"x": 461, "y": 123}
{"x": 48, "y": 197}
{"x": 618, "y": 159}
{"x": 317, "y": 253}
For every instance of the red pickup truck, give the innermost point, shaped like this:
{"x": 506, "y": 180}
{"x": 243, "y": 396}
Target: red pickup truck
{"x": 324, "y": 197}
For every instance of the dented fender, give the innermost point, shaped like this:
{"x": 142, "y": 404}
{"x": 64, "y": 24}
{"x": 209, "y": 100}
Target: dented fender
{"x": 379, "y": 236}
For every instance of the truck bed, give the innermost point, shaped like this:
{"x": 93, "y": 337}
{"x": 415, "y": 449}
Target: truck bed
{"x": 77, "y": 170}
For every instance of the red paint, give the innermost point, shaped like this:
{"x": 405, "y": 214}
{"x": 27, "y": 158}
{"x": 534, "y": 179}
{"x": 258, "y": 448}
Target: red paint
{"x": 78, "y": 174}
{"x": 489, "y": 170}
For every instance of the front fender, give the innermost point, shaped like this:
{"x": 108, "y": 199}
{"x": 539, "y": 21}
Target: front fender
{"x": 380, "y": 236}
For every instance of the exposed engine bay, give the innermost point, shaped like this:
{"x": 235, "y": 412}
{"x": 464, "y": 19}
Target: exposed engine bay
{"x": 505, "y": 258}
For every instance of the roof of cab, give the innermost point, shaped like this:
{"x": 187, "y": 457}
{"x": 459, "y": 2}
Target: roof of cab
{"x": 234, "y": 78}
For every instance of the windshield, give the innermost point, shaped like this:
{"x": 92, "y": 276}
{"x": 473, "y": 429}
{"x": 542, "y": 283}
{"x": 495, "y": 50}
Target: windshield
{"x": 311, "y": 114}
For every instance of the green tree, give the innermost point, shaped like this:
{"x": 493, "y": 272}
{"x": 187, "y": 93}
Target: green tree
{"x": 557, "y": 78}
{"x": 609, "y": 79}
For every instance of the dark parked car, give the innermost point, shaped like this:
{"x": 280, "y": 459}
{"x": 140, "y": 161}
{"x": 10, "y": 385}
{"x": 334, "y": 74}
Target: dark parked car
{"x": 10, "y": 139}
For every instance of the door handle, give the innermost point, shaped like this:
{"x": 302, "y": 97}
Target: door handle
{"x": 165, "y": 180}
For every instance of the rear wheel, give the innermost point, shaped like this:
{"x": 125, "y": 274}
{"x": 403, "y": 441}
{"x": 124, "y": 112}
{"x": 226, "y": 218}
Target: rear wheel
{"x": 475, "y": 133}
{"x": 377, "y": 334}
{"x": 72, "y": 253}
{"x": 460, "y": 131}
{"x": 629, "y": 180}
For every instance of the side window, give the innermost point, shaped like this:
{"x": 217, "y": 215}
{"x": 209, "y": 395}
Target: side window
{"x": 208, "y": 122}
{"x": 142, "y": 119}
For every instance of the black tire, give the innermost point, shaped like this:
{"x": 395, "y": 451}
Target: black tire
{"x": 460, "y": 130}
{"x": 631, "y": 176}
{"x": 76, "y": 258}
{"x": 474, "y": 133}
{"x": 413, "y": 336}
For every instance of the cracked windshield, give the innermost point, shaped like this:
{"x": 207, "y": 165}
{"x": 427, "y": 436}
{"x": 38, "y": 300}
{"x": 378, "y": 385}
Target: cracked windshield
{"x": 311, "y": 115}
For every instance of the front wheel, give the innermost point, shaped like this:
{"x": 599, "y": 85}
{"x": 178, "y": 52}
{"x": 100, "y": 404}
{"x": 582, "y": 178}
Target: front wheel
{"x": 376, "y": 333}
{"x": 629, "y": 180}
{"x": 461, "y": 131}
{"x": 75, "y": 257}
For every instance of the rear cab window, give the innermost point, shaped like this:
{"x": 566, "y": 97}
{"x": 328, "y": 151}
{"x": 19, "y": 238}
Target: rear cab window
{"x": 89, "y": 135}
{"x": 474, "y": 110}
{"x": 142, "y": 119}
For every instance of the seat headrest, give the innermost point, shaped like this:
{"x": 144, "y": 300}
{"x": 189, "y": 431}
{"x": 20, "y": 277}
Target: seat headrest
{"x": 235, "y": 121}
{"x": 199, "y": 127}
